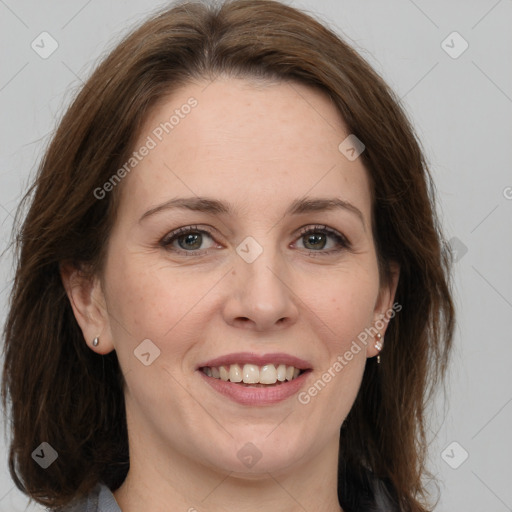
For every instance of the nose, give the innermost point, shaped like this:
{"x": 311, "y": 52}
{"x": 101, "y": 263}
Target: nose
{"x": 261, "y": 296}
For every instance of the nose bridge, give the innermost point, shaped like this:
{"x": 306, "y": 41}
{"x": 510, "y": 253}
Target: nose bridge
{"x": 261, "y": 294}
{"x": 260, "y": 265}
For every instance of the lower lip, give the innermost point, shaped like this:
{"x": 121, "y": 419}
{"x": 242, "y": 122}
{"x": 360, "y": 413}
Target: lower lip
{"x": 256, "y": 396}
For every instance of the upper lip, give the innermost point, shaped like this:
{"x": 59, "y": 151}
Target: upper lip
{"x": 257, "y": 359}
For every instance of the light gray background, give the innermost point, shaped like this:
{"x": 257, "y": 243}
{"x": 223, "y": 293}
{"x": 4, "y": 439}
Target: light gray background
{"x": 462, "y": 111}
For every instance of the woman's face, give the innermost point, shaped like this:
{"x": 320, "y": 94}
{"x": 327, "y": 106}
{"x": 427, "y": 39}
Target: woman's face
{"x": 267, "y": 275}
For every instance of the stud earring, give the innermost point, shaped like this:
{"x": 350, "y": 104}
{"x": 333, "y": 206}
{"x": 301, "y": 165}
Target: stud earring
{"x": 96, "y": 341}
{"x": 378, "y": 345}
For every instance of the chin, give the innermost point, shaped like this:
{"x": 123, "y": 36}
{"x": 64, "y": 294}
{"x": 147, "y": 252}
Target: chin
{"x": 254, "y": 459}
{"x": 259, "y": 470}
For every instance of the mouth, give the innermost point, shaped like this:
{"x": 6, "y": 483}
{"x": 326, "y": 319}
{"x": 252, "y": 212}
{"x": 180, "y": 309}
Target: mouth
{"x": 252, "y": 379}
{"x": 251, "y": 375}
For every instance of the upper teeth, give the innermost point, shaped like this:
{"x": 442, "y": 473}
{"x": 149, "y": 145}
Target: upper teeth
{"x": 253, "y": 374}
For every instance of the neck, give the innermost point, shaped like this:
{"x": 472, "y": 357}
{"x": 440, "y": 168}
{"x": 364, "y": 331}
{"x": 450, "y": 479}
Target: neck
{"x": 159, "y": 481}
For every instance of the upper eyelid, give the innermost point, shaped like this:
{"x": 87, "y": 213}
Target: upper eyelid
{"x": 185, "y": 229}
{"x": 212, "y": 230}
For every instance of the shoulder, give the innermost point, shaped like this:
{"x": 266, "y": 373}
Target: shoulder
{"x": 100, "y": 499}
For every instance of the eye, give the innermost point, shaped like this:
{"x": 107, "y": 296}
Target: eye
{"x": 315, "y": 239}
{"x": 189, "y": 240}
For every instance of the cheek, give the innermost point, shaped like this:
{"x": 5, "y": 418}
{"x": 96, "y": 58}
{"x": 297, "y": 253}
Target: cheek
{"x": 143, "y": 295}
{"x": 346, "y": 308}
{"x": 346, "y": 305}
{"x": 144, "y": 305}
{"x": 149, "y": 300}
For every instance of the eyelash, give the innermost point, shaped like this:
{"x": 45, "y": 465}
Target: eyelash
{"x": 341, "y": 240}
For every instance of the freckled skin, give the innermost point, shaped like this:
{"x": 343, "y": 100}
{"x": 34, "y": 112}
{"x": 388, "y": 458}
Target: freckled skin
{"x": 259, "y": 148}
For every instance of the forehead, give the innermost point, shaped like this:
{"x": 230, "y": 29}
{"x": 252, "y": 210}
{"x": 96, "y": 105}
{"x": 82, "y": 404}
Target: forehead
{"x": 245, "y": 142}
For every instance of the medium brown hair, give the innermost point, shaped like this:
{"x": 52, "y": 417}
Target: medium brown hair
{"x": 61, "y": 392}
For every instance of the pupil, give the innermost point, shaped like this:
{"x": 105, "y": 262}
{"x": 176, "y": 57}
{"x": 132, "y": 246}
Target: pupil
{"x": 191, "y": 238}
{"x": 313, "y": 237}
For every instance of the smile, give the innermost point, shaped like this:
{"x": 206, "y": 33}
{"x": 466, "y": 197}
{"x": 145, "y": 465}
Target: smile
{"x": 267, "y": 374}
{"x": 255, "y": 379}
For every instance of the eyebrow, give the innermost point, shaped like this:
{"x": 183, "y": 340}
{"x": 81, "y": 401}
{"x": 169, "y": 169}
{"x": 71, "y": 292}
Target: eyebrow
{"x": 216, "y": 207}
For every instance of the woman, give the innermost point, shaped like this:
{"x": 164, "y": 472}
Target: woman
{"x": 231, "y": 288}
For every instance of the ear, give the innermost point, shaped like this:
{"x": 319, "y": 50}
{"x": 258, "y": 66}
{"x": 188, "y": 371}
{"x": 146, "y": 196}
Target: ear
{"x": 89, "y": 306}
{"x": 384, "y": 310}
